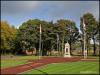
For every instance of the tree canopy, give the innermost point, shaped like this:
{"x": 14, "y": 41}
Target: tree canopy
{"x": 8, "y": 34}
{"x": 54, "y": 35}
{"x": 91, "y": 28}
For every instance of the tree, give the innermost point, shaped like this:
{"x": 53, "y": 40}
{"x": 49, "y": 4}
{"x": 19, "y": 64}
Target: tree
{"x": 28, "y": 35}
{"x": 91, "y": 28}
{"x": 80, "y": 38}
{"x": 98, "y": 34}
{"x": 69, "y": 31}
{"x": 54, "y": 35}
{"x": 8, "y": 34}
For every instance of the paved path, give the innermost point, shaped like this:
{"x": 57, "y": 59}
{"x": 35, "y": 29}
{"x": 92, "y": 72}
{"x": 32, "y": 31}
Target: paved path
{"x": 37, "y": 63}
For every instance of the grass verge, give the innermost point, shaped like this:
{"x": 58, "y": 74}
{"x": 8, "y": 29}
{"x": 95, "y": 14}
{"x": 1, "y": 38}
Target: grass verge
{"x": 67, "y": 68}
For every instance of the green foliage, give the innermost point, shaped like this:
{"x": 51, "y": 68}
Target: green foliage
{"x": 54, "y": 35}
{"x": 91, "y": 28}
{"x": 8, "y": 34}
{"x": 28, "y": 34}
{"x": 69, "y": 32}
{"x": 91, "y": 24}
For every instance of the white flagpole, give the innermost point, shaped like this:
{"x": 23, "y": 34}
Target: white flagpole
{"x": 85, "y": 49}
{"x": 40, "y": 52}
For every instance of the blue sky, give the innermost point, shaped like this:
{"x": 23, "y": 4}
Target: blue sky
{"x": 17, "y": 12}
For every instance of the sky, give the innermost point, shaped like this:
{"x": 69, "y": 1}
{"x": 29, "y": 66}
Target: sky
{"x": 17, "y": 12}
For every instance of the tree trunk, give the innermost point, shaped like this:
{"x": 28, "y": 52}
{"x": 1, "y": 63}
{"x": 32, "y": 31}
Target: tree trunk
{"x": 70, "y": 43}
{"x": 87, "y": 46}
{"x": 87, "y": 49}
{"x": 2, "y": 51}
{"x": 63, "y": 46}
{"x": 94, "y": 47}
{"x": 87, "y": 43}
{"x": 82, "y": 48}
{"x": 59, "y": 49}
{"x": 42, "y": 47}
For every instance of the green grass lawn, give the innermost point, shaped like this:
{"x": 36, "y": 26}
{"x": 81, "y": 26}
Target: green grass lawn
{"x": 11, "y": 63}
{"x": 95, "y": 57}
{"x": 23, "y": 57}
{"x": 67, "y": 68}
{"x": 15, "y": 61}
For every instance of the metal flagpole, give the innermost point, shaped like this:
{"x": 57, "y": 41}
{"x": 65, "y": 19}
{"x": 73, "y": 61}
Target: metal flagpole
{"x": 85, "y": 49}
{"x": 40, "y": 52}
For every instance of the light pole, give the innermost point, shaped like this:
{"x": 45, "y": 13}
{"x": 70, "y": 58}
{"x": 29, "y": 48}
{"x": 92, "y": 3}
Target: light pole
{"x": 85, "y": 49}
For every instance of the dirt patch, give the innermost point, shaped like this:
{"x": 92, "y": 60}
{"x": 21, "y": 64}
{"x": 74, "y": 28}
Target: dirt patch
{"x": 38, "y": 63}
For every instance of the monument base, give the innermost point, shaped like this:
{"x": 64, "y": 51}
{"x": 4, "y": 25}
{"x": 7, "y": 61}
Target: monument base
{"x": 67, "y": 55}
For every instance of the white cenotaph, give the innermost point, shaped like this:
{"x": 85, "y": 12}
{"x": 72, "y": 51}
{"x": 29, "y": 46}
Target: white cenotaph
{"x": 67, "y": 50}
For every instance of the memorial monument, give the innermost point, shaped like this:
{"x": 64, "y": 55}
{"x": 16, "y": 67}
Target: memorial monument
{"x": 67, "y": 50}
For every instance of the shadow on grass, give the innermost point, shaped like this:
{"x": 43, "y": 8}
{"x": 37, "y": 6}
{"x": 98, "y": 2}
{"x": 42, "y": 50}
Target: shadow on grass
{"x": 43, "y": 73}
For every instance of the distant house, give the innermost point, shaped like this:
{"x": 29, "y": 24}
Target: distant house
{"x": 30, "y": 52}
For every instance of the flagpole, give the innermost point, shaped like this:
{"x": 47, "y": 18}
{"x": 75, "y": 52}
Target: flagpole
{"x": 85, "y": 49}
{"x": 40, "y": 54}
